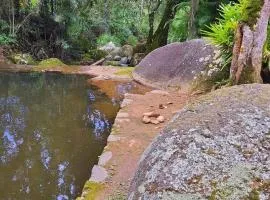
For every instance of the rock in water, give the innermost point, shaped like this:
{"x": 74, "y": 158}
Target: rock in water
{"x": 174, "y": 65}
{"x": 215, "y": 148}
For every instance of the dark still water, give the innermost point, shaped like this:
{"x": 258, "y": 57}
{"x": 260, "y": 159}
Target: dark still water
{"x": 52, "y": 129}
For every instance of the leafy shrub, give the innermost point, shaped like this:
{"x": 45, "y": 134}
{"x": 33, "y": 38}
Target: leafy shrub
{"x": 106, "y": 38}
{"x": 132, "y": 40}
{"x": 95, "y": 54}
{"x": 6, "y": 39}
{"x": 222, "y": 32}
{"x": 178, "y": 31}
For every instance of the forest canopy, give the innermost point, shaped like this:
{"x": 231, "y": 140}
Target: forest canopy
{"x": 68, "y": 28}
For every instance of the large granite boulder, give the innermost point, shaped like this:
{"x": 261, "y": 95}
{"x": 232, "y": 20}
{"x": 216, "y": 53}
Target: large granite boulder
{"x": 174, "y": 65}
{"x": 217, "y": 147}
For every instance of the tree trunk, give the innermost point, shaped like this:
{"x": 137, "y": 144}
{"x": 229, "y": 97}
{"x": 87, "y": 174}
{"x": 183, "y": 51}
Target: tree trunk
{"x": 160, "y": 36}
{"x": 248, "y": 49}
{"x": 151, "y": 19}
{"x": 192, "y": 29}
{"x": 106, "y": 16}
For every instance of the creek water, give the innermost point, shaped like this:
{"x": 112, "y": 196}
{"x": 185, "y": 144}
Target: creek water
{"x": 52, "y": 128}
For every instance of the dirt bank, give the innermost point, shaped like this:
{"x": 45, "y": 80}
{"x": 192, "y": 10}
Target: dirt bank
{"x": 128, "y": 139}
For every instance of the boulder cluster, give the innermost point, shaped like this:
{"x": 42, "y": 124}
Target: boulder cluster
{"x": 121, "y": 56}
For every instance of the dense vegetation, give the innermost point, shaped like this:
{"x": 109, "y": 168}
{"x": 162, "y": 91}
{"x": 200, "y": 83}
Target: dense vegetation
{"x": 72, "y": 29}
{"x": 66, "y": 28}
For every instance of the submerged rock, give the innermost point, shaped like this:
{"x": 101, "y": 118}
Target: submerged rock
{"x": 174, "y": 65}
{"x": 215, "y": 148}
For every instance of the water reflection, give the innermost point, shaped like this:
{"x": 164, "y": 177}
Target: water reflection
{"x": 53, "y": 128}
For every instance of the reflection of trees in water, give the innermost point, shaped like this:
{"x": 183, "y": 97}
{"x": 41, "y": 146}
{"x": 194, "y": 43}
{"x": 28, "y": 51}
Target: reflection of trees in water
{"x": 43, "y": 134}
{"x": 12, "y": 125}
{"x": 98, "y": 121}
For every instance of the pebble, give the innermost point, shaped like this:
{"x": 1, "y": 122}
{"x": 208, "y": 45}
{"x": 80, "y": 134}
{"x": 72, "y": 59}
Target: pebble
{"x": 154, "y": 121}
{"x": 161, "y": 119}
{"x": 146, "y": 120}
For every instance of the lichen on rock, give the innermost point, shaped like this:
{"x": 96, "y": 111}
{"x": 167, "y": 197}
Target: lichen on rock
{"x": 215, "y": 148}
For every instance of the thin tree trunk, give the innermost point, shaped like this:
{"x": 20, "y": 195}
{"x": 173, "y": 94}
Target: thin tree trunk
{"x": 260, "y": 35}
{"x": 160, "y": 36}
{"x": 151, "y": 20}
{"x": 248, "y": 48}
{"x": 106, "y": 15}
{"x": 192, "y": 29}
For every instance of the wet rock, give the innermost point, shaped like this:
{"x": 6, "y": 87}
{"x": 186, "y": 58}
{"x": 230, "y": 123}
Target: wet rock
{"x": 124, "y": 61}
{"x": 215, "y": 148}
{"x": 117, "y": 58}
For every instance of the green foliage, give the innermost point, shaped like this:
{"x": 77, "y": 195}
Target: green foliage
{"x": 250, "y": 11}
{"x": 178, "y": 31}
{"x": 222, "y": 32}
{"x": 132, "y": 40}
{"x": 106, "y": 38}
{"x": 22, "y": 59}
{"x": 6, "y": 39}
{"x": 97, "y": 54}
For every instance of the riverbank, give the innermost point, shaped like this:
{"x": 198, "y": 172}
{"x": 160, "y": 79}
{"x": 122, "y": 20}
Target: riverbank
{"x": 129, "y": 138}
{"x": 110, "y": 178}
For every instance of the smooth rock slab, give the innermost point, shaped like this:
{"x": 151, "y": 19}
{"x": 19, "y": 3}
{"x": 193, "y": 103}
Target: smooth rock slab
{"x": 175, "y": 65}
{"x": 217, "y": 147}
{"x": 104, "y": 158}
{"x": 99, "y": 174}
{"x": 113, "y": 138}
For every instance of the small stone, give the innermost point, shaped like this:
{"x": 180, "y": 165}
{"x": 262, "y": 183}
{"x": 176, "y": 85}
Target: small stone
{"x": 146, "y": 120}
{"x": 161, "y": 119}
{"x": 151, "y": 114}
{"x": 161, "y": 106}
{"x": 154, "y": 121}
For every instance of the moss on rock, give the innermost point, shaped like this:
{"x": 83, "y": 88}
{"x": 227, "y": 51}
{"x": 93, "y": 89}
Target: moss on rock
{"x": 125, "y": 71}
{"x": 90, "y": 190}
{"x": 51, "y": 62}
